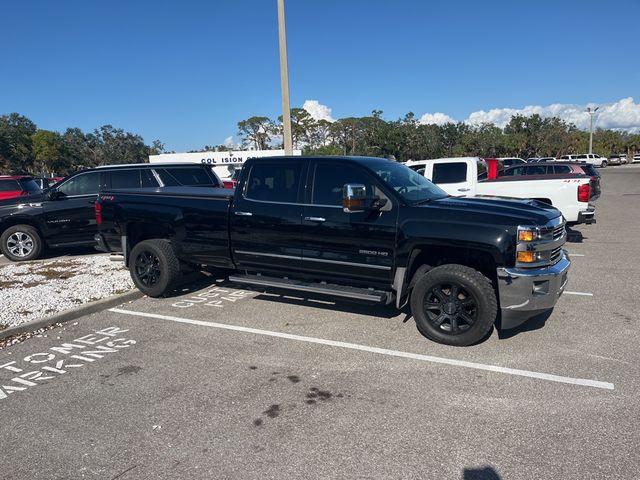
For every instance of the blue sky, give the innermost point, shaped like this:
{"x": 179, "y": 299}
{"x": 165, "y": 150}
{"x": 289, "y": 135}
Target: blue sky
{"x": 186, "y": 72}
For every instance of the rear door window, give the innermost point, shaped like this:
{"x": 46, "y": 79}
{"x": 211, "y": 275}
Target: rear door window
{"x": 148, "y": 178}
{"x": 129, "y": 178}
{"x": 195, "y": 176}
{"x": 561, "y": 169}
{"x": 274, "y": 181}
{"x": 455, "y": 172}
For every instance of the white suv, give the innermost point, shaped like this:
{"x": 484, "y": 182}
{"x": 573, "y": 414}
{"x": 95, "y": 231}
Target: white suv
{"x": 590, "y": 158}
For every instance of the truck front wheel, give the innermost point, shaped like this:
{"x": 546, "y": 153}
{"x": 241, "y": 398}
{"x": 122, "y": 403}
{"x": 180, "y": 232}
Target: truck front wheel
{"x": 154, "y": 267}
{"x": 454, "y": 304}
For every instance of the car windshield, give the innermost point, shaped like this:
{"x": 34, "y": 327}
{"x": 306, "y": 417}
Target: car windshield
{"x": 410, "y": 185}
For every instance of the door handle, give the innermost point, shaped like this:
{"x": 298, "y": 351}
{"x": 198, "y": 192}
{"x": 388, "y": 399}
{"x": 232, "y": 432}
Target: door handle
{"x": 243, "y": 214}
{"x": 464, "y": 189}
{"x": 315, "y": 219}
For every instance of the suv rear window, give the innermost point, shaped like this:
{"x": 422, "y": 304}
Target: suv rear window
{"x": 188, "y": 177}
{"x": 30, "y": 185}
{"x": 449, "y": 172}
{"x": 9, "y": 186}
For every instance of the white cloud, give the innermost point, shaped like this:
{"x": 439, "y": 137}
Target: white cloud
{"x": 228, "y": 142}
{"x": 438, "y": 118}
{"x": 623, "y": 114}
{"x": 317, "y": 110}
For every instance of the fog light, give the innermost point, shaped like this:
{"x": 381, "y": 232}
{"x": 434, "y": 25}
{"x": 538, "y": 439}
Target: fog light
{"x": 526, "y": 257}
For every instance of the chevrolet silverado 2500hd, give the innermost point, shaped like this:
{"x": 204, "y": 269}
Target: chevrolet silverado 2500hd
{"x": 362, "y": 228}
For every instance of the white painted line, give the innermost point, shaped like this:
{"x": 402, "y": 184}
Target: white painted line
{"x": 584, "y": 294}
{"x": 576, "y": 255}
{"x": 381, "y": 351}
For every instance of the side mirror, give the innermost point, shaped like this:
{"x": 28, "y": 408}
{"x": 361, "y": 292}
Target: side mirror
{"x": 55, "y": 194}
{"x": 354, "y": 198}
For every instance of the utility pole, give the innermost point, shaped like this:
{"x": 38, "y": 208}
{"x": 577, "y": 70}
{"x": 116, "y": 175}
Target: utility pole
{"x": 284, "y": 81}
{"x": 591, "y": 112}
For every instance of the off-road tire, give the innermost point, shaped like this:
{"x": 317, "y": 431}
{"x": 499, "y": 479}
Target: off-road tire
{"x": 154, "y": 267}
{"x": 30, "y": 238}
{"x": 475, "y": 299}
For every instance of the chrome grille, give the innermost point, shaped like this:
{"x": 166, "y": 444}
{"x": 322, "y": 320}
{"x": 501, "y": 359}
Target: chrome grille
{"x": 555, "y": 254}
{"x": 558, "y": 231}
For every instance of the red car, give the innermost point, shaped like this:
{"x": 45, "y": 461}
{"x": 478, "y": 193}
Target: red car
{"x": 17, "y": 186}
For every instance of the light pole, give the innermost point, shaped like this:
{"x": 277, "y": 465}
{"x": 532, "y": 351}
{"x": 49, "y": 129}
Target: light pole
{"x": 284, "y": 81}
{"x": 591, "y": 112}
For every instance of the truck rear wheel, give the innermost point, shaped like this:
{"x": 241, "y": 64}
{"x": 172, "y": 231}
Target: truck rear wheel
{"x": 154, "y": 267}
{"x": 454, "y": 304}
{"x": 21, "y": 242}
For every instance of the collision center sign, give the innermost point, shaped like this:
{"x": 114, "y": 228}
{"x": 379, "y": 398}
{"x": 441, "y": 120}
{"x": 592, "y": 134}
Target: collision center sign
{"x": 237, "y": 157}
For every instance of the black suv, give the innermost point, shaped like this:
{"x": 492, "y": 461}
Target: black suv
{"x": 63, "y": 215}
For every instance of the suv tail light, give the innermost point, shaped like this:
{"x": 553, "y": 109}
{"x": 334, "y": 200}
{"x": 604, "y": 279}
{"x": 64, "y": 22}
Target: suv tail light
{"x": 584, "y": 192}
{"x": 98, "y": 210}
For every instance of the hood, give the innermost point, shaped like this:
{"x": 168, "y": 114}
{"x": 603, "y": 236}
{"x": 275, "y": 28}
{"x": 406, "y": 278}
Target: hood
{"x": 494, "y": 210}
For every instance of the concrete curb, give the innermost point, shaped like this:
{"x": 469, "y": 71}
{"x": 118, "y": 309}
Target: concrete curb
{"x": 72, "y": 314}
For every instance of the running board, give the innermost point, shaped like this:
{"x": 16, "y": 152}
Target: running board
{"x": 366, "y": 294}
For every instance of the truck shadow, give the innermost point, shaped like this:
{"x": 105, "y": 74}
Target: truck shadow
{"x": 534, "y": 323}
{"x": 197, "y": 281}
{"x": 574, "y": 236}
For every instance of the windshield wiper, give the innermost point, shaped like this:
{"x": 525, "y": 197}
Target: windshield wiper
{"x": 423, "y": 201}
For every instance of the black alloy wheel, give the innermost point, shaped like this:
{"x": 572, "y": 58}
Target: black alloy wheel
{"x": 154, "y": 267}
{"x": 147, "y": 268}
{"x": 453, "y": 304}
{"x": 451, "y": 308}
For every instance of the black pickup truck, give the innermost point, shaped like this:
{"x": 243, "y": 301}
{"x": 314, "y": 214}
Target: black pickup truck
{"x": 368, "y": 229}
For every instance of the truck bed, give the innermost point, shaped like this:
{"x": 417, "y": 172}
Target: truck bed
{"x": 198, "y": 230}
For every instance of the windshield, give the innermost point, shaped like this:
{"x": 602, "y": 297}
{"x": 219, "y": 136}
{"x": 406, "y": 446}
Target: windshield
{"x": 410, "y": 185}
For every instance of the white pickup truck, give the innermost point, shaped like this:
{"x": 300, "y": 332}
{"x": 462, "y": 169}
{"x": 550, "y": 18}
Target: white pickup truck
{"x": 590, "y": 158}
{"x": 460, "y": 177}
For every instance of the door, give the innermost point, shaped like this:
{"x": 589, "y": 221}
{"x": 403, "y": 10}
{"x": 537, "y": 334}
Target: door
{"x": 339, "y": 245}
{"x": 266, "y": 216}
{"x": 70, "y": 216}
{"x": 453, "y": 177}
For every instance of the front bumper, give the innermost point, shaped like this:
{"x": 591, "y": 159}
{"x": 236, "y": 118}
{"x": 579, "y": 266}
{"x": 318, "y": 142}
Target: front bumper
{"x": 524, "y": 293}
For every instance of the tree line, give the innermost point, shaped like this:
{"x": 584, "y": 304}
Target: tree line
{"x": 26, "y": 149}
{"x": 407, "y": 138}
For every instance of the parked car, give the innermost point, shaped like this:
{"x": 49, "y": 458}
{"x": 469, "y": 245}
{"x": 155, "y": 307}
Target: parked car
{"x": 590, "y": 158}
{"x": 545, "y": 170}
{"x": 63, "y": 215}
{"x": 508, "y": 161}
{"x": 463, "y": 177}
{"x": 12, "y": 186}
{"x": 368, "y": 229}
{"x": 617, "y": 159}
{"x": 636, "y": 158}
{"x": 232, "y": 181}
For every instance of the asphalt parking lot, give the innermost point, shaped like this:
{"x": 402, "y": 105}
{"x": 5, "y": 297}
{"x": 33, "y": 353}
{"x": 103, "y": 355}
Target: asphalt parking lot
{"x": 223, "y": 382}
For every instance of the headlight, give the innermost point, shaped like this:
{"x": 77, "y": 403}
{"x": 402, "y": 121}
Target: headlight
{"x": 528, "y": 234}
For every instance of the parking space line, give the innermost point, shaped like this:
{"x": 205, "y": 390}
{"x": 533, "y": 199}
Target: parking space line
{"x": 584, "y": 294}
{"x": 576, "y": 255}
{"x": 381, "y": 351}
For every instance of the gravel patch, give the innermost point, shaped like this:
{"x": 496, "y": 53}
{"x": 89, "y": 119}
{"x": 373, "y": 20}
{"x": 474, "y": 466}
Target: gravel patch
{"x": 29, "y": 291}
